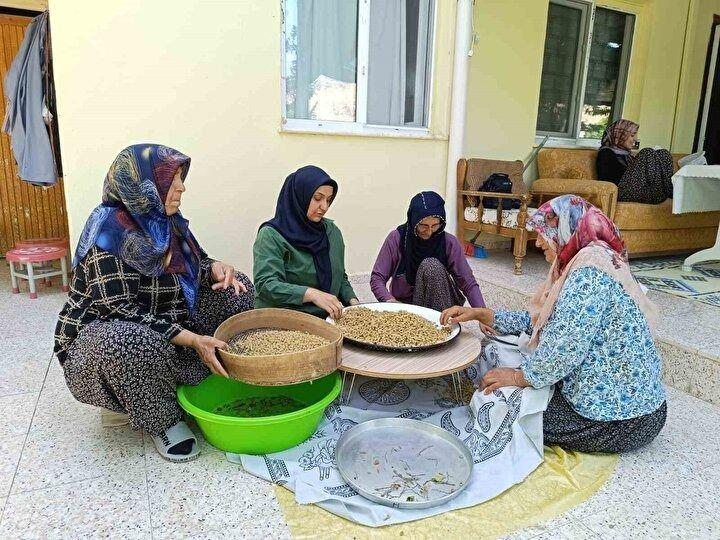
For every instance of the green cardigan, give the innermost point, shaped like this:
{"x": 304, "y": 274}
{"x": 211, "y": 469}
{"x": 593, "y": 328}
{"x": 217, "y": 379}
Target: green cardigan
{"x": 282, "y": 273}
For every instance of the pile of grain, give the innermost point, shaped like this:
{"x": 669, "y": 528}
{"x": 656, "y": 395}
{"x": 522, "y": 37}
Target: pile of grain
{"x": 390, "y": 328}
{"x": 271, "y": 342}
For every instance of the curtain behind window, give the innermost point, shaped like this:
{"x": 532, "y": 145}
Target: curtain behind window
{"x": 399, "y": 40}
{"x": 326, "y": 59}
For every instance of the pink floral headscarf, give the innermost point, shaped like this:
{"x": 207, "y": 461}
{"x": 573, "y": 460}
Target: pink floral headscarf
{"x": 581, "y": 236}
{"x": 616, "y": 133}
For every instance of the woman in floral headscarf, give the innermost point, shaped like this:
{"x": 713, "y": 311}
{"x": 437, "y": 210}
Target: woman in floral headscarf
{"x": 589, "y": 326}
{"x": 144, "y": 301}
{"x": 645, "y": 178}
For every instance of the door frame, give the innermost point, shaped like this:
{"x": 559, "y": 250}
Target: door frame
{"x": 712, "y": 59}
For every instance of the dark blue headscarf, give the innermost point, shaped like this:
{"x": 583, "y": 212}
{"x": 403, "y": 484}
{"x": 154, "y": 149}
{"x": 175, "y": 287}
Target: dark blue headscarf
{"x": 131, "y": 222}
{"x": 292, "y": 223}
{"x": 414, "y": 249}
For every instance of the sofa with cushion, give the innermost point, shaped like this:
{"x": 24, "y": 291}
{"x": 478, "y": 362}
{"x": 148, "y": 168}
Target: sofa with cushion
{"x": 646, "y": 228}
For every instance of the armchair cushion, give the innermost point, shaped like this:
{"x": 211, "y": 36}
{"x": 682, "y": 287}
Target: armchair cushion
{"x": 636, "y": 216}
{"x": 601, "y": 194}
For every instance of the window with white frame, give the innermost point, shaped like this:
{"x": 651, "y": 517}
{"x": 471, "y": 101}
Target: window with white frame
{"x": 357, "y": 65}
{"x": 585, "y": 66}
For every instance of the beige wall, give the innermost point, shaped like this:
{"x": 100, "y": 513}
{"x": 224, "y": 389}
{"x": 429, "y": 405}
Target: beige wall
{"x": 504, "y": 78}
{"x": 662, "y": 66}
{"x": 701, "y": 18}
{"x": 204, "y": 77}
{"x": 505, "y": 72}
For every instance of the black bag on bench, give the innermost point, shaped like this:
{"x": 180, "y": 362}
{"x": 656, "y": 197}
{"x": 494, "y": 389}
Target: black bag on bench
{"x": 499, "y": 183}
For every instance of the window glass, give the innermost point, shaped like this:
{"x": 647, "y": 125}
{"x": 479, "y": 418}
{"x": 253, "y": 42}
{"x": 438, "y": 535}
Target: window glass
{"x": 603, "y": 88}
{"x": 321, "y": 59}
{"x": 560, "y": 69}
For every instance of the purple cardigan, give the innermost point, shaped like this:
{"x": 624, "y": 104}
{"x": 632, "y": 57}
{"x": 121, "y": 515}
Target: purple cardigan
{"x": 389, "y": 258}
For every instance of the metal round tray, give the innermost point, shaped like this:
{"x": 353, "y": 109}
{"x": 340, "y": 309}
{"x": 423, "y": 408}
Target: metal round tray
{"x": 427, "y": 313}
{"x": 403, "y": 463}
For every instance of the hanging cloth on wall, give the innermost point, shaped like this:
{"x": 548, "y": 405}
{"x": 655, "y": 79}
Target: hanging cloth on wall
{"x": 28, "y": 117}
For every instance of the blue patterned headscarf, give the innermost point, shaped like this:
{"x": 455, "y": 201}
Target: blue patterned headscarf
{"x": 131, "y": 222}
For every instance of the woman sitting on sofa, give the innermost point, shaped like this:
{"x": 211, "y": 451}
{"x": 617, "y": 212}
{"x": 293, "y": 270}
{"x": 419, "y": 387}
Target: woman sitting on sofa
{"x": 425, "y": 265}
{"x": 645, "y": 178}
{"x": 590, "y": 336}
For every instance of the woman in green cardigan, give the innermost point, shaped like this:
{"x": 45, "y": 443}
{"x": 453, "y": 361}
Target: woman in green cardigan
{"x": 299, "y": 254}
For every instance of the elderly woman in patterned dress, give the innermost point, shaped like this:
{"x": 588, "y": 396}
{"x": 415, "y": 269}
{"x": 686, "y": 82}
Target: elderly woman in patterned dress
{"x": 144, "y": 301}
{"x": 590, "y": 336}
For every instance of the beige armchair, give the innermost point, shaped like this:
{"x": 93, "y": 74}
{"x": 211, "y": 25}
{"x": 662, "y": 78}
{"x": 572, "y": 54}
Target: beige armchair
{"x": 646, "y": 228}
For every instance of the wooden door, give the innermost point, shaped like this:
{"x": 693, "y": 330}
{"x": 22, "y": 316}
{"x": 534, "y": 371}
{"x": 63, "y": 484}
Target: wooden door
{"x": 26, "y": 211}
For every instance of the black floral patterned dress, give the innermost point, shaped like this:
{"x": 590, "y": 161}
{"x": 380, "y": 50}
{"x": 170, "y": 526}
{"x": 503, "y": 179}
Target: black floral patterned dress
{"x": 113, "y": 337}
{"x": 648, "y": 178}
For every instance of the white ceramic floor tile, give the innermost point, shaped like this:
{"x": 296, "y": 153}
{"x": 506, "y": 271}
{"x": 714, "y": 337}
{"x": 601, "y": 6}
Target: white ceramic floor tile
{"x": 207, "y": 494}
{"x": 55, "y": 375}
{"x": 693, "y": 427}
{"x": 549, "y": 527}
{"x": 10, "y": 449}
{"x": 685, "y": 508}
{"x": 22, "y": 373}
{"x": 67, "y": 443}
{"x": 251, "y": 530}
{"x": 99, "y": 508}
{"x": 364, "y": 293}
{"x": 646, "y": 470}
{"x": 571, "y": 531}
{"x": 16, "y": 412}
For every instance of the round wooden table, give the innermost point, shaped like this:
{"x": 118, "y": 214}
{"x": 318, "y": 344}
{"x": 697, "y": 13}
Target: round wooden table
{"x": 447, "y": 360}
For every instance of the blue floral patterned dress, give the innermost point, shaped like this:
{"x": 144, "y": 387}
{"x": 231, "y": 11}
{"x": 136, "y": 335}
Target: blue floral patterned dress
{"x": 598, "y": 348}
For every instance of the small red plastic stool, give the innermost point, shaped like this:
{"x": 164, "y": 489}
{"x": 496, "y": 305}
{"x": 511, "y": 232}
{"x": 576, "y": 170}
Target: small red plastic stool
{"x": 37, "y": 254}
{"x": 55, "y": 241}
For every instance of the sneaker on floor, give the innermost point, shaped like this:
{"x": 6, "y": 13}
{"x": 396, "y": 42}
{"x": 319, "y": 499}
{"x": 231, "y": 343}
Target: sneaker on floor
{"x": 112, "y": 419}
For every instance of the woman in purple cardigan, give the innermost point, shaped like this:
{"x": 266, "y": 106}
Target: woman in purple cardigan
{"x": 425, "y": 265}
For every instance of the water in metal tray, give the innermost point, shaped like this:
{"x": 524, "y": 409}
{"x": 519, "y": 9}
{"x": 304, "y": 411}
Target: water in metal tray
{"x": 404, "y": 465}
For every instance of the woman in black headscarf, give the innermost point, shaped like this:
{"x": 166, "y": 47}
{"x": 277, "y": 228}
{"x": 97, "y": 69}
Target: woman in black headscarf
{"x": 299, "y": 254}
{"x": 425, "y": 265}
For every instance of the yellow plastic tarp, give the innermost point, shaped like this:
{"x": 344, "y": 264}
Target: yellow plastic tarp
{"x": 562, "y": 481}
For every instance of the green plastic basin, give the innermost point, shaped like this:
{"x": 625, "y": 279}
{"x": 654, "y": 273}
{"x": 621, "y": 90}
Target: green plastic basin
{"x": 262, "y": 435}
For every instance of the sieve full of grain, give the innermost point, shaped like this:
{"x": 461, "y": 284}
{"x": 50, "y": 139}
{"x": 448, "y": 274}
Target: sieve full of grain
{"x": 390, "y": 328}
{"x": 272, "y": 342}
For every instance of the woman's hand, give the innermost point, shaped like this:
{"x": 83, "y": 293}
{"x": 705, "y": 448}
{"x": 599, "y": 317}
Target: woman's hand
{"x": 458, "y": 314}
{"x": 205, "y": 347}
{"x": 502, "y": 377}
{"x": 223, "y": 276}
{"x": 354, "y": 301}
{"x": 325, "y": 301}
{"x": 487, "y": 330}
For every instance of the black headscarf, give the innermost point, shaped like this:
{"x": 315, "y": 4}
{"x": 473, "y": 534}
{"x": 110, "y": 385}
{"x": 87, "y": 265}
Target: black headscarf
{"x": 414, "y": 249}
{"x": 292, "y": 223}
